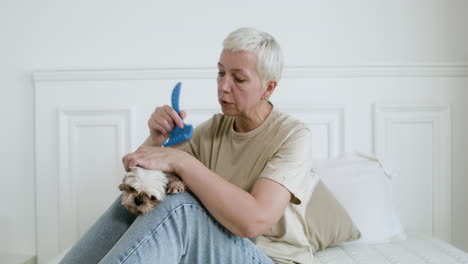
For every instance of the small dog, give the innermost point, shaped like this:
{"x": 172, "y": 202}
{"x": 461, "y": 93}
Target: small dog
{"x": 143, "y": 188}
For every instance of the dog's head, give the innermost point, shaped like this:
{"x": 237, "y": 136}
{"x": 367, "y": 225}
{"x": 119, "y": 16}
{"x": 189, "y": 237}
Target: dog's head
{"x": 142, "y": 189}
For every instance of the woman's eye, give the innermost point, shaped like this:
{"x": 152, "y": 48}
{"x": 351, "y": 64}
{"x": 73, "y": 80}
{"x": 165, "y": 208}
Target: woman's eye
{"x": 238, "y": 80}
{"x": 220, "y": 74}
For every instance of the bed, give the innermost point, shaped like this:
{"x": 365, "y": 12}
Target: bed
{"x": 415, "y": 250}
{"x": 87, "y": 120}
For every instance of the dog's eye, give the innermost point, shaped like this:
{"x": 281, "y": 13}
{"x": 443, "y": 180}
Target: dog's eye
{"x": 153, "y": 198}
{"x": 131, "y": 189}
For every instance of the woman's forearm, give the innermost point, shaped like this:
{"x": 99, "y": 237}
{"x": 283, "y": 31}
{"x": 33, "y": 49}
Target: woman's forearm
{"x": 234, "y": 208}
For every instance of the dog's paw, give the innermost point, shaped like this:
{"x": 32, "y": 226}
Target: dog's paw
{"x": 176, "y": 187}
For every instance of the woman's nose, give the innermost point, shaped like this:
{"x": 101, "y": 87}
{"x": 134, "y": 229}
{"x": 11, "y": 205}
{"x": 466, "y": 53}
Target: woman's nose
{"x": 223, "y": 84}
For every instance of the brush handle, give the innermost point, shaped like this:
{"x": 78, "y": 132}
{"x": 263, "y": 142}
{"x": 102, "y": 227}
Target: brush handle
{"x": 175, "y": 97}
{"x": 178, "y": 135}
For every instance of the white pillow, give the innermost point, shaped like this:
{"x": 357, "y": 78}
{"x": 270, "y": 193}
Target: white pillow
{"x": 362, "y": 185}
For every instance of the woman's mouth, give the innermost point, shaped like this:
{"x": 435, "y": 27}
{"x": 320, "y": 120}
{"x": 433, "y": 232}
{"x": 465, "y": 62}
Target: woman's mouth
{"x": 224, "y": 103}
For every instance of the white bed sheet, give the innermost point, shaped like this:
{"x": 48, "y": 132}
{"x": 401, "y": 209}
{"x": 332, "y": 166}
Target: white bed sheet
{"x": 412, "y": 251}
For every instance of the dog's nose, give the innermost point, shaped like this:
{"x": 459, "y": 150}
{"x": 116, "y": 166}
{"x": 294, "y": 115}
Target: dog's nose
{"x": 138, "y": 200}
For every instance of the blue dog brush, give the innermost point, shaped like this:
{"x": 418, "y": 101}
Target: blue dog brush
{"x": 178, "y": 135}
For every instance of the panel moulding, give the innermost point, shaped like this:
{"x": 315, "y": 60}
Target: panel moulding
{"x": 69, "y": 122}
{"x": 302, "y": 71}
{"x": 439, "y": 118}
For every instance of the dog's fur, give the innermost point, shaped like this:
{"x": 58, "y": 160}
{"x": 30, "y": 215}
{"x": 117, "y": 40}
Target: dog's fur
{"x": 143, "y": 188}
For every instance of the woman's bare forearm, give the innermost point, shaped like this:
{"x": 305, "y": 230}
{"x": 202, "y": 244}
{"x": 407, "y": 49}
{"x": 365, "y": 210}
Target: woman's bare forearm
{"x": 234, "y": 208}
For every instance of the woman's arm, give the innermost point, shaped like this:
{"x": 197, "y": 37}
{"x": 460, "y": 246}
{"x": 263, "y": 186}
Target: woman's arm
{"x": 244, "y": 214}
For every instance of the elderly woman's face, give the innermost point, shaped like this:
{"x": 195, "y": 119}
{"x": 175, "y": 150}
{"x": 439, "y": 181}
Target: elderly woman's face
{"x": 240, "y": 88}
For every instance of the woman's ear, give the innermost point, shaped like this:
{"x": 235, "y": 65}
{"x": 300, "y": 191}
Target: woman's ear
{"x": 270, "y": 88}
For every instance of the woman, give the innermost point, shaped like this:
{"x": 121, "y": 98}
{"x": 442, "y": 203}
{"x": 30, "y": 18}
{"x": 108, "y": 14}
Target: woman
{"x": 247, "y": 168}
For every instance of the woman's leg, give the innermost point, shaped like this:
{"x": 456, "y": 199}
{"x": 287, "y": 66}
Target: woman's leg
{"x": 102, "y": 236}
{"x": 180, "y": 230}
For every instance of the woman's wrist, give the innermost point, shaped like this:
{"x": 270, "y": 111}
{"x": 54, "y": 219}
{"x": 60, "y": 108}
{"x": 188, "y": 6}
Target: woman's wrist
{"x": 181, "y": 162}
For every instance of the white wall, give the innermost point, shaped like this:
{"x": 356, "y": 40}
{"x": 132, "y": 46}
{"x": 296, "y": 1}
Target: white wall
{"x": 460, "y": 179}
{"x": 55, "y": 35}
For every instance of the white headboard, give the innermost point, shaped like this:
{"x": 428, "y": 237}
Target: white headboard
{"x": 87, "y": 120}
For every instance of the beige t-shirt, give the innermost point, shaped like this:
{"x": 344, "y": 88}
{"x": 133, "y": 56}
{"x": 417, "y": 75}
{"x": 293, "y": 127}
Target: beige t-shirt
{"x": 279, "y": 149}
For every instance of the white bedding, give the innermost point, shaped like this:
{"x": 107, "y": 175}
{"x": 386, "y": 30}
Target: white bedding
{"x": 412, "y": 251}
{"x": 420, "y": 250}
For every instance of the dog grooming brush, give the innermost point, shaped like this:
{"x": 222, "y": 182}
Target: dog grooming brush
{"x": 178, "y": 135}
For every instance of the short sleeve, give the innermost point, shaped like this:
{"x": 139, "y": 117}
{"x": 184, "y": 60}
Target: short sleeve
{"x": 290, "y": 166}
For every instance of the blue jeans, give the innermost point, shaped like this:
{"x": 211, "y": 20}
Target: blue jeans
{"x": 178, "y": 230}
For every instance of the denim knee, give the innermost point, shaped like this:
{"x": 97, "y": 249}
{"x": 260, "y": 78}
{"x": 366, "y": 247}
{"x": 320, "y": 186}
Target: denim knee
{"x": 173, "y": 201}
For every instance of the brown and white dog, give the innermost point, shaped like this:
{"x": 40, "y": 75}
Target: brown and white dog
{"x": 143, "y": 188}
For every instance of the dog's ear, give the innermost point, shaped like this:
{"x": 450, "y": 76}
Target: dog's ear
{"x": 122, "y": 187}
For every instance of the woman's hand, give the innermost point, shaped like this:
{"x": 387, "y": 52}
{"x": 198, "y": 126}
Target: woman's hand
{"x": 155, "y": 158}
{"x": 162, "y": 122}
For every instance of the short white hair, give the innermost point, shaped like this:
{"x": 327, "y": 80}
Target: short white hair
{"x": 267, "y": 49}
